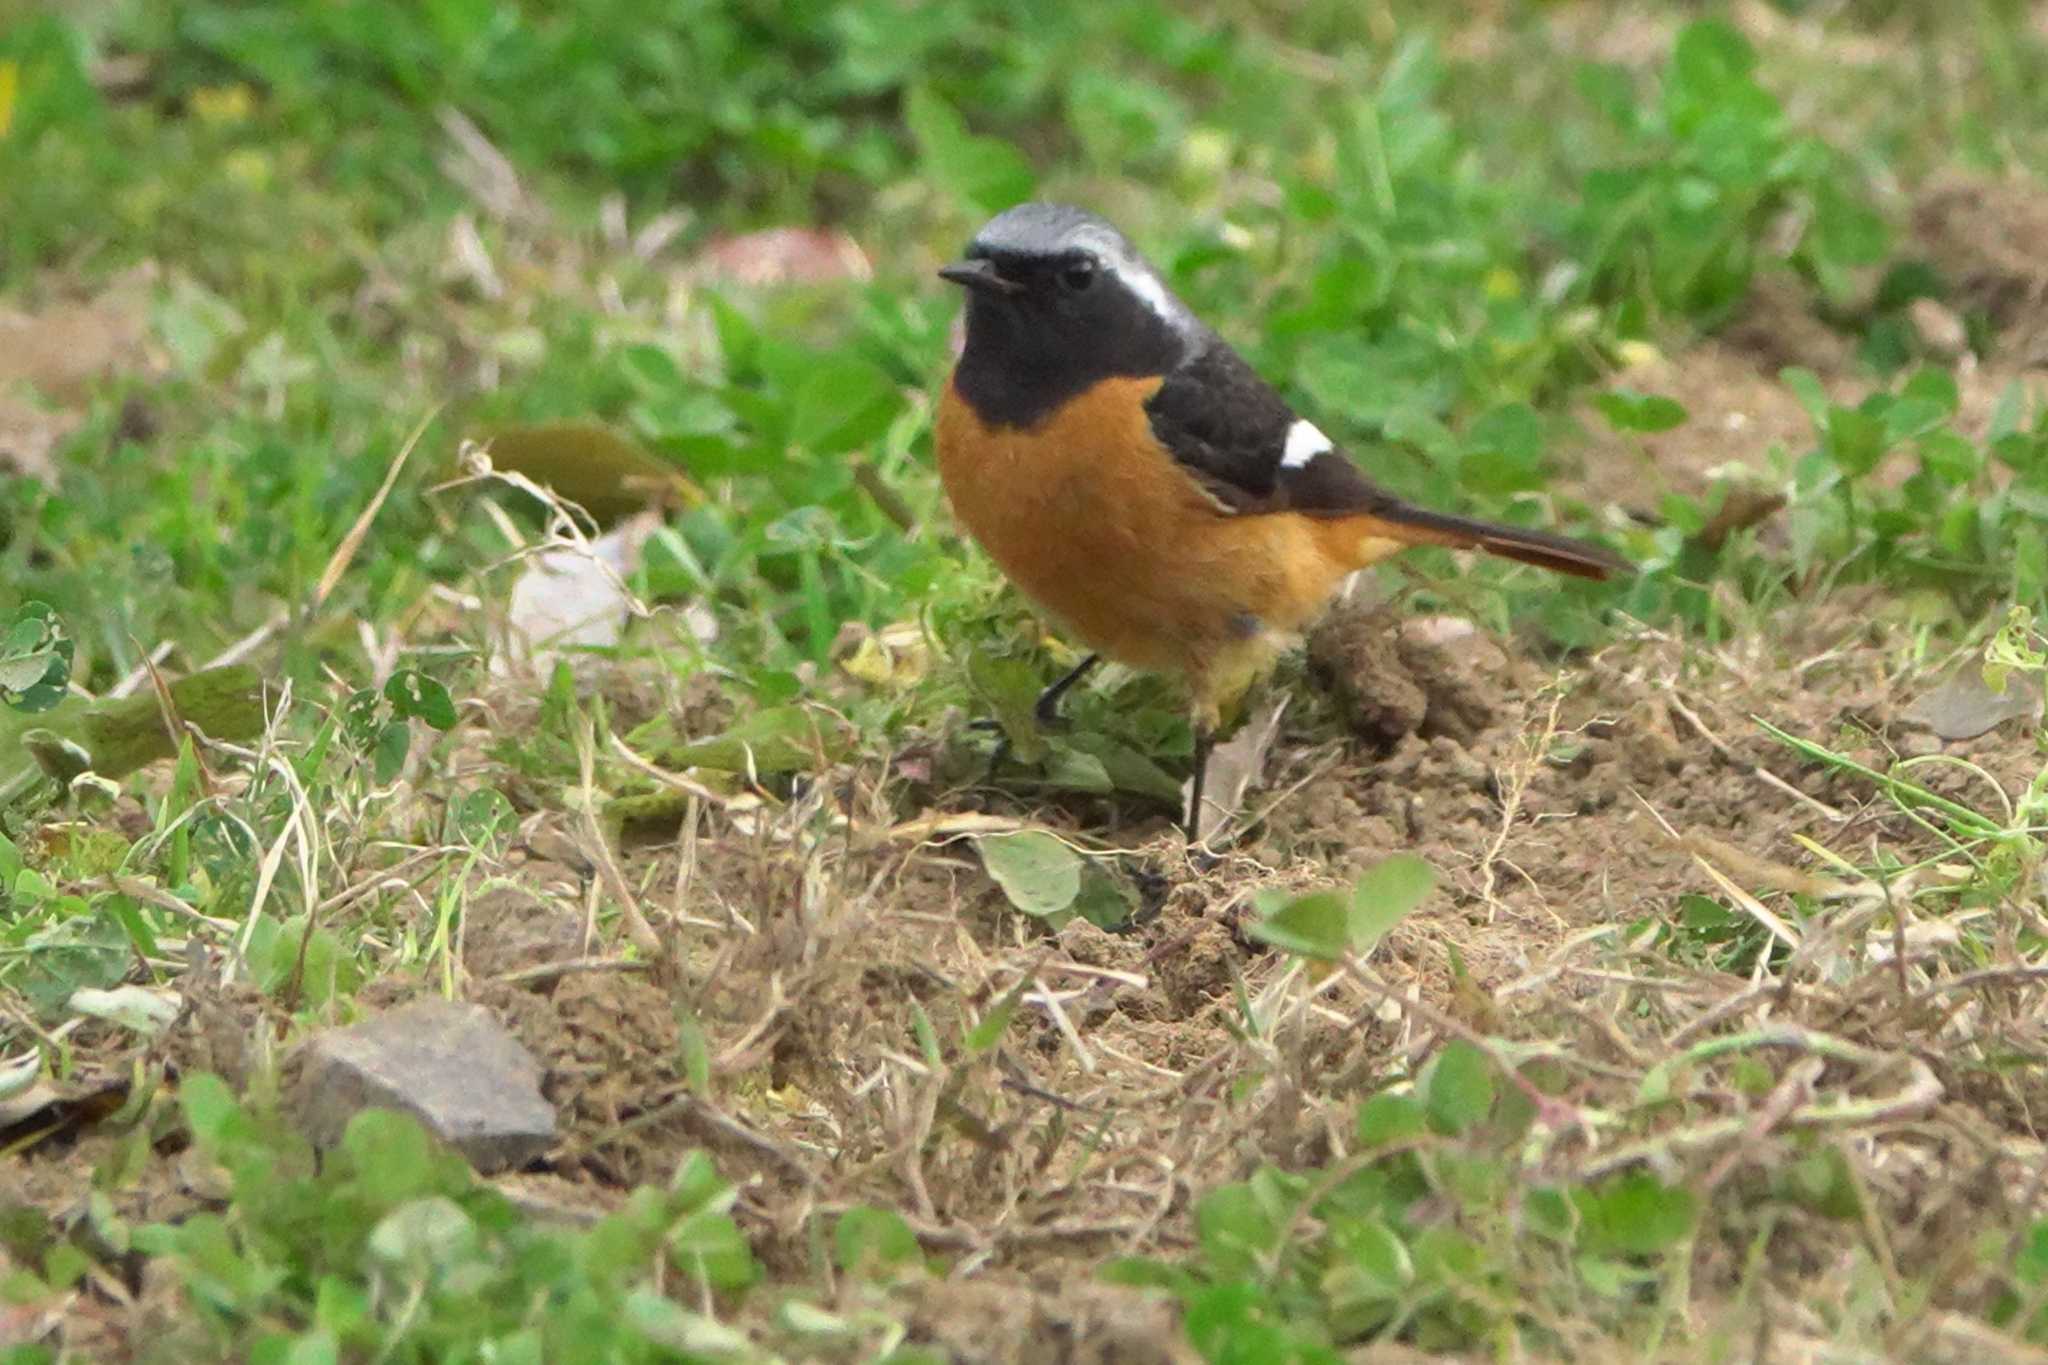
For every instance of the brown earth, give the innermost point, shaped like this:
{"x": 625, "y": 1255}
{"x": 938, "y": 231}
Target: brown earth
{"x": 1555, "y": 802}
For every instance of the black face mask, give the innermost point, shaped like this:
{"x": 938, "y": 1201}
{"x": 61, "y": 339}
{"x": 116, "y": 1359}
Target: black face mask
{"x": 1050, "y": 330}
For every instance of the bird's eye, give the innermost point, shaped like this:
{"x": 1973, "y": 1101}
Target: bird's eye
{"x": 1078, "y": 276}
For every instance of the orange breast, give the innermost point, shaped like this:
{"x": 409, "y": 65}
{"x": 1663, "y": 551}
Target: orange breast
{"x": 1094, "y": 522}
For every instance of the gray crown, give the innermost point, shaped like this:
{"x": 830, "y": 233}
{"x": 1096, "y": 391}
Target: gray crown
{"x": 1050, "y": 230}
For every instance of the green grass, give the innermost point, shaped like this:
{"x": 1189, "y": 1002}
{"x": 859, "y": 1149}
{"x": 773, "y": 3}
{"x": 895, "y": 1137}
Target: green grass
{"x": 1443, "y": 241}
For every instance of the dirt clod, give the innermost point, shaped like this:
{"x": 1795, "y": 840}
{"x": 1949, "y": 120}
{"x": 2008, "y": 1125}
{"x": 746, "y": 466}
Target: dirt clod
{"x": 509, "y": 927}
{"x": 1391, "y": 681}
{"x": 1354, "y": 656}
{"x": 1194, "y": 968}
{"x": 609, "y": 1045}
{"x": 1985, "y": 234}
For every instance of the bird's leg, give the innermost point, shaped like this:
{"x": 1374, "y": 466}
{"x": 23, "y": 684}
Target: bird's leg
{"x": 1205, "y": 740}
{"x": 1047, "y": 711}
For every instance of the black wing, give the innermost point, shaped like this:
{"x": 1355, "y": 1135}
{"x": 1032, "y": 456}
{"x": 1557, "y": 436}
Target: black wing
{"x": 1230, "y": 431}
{"x": 1232, "y": 434}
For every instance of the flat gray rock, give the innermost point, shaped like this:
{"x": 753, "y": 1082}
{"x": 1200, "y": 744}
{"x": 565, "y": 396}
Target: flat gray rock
{"x": 451, "y": 1066}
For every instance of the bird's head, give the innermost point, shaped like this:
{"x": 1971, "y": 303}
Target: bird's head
{"x": 1057, "y": 299}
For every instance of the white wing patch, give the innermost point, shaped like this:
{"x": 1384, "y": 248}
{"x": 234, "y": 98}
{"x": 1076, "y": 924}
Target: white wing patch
{"x": 1305, "y": 441}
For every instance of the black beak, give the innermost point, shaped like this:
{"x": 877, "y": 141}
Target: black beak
{"x": 980, "y": 276}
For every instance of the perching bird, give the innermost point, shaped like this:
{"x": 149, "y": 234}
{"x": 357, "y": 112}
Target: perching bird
{"x": 1140, "y": 483}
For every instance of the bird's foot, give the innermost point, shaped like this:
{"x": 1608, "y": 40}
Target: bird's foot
{"x": 1045, "y": 712}
{"x": 1047, "y": 709}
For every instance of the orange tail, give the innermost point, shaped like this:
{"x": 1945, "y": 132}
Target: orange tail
{"x": 1417, "y": 526}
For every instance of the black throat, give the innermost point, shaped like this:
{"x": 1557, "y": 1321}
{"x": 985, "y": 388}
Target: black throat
{"x": 1024, "y": 360}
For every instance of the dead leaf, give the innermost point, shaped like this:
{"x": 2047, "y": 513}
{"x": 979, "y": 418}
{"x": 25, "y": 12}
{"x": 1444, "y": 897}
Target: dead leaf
{"x": 1964, "y": 706}
{"x": 607, "y": 474}
{"x": 1234, "y": 765}
{"x": 1776, "y": 876}
{"x": 29, "y": 1103}
{"x": 1741, "y": 508}
{"x": 947, "y": 825}
{"x": 18, "y": 1077}
{"x": 122, "y": 734}
{"x": 485, "y": 173}
{"x": 469, "y": 260}
{"x": 570, "y": 597}
{"x": 52, "y": 1109}
{"x": 784, "y": 255}
{"x": 142, "y": 1009}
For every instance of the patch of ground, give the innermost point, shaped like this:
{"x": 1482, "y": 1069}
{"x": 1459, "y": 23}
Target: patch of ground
{"x": 818, "y": 969}
{"x": 1551, "y": 813}
{"x": 60, "y": 1152}
{"x": 1047, "y": 1321}
{"x": 1984, "y": 236}
{"x": 51, "y": 359}
{"x": 513, "y": 927}
{"x": 611, "y": 1051}
{"x": 1738, "y": 411}
{"x": 1553, "y": 802}
{"x": 1744, "y": 424}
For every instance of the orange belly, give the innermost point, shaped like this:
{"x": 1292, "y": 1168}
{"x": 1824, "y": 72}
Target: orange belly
{"x": 1094, "y": 522}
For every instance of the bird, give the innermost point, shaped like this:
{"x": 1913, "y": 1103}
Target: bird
{"x": 1138, "y": 481}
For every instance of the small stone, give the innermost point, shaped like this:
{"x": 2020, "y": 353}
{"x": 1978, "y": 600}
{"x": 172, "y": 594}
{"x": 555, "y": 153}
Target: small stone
{"x": 1457, "y": 638}
{"x": 1941, "y": 331}
{"x": 451, "y": 1066}
{"x": 1917, "y": 744}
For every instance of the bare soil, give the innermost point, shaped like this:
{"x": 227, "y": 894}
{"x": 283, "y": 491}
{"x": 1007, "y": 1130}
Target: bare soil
{"x": 1556, "y": 802}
